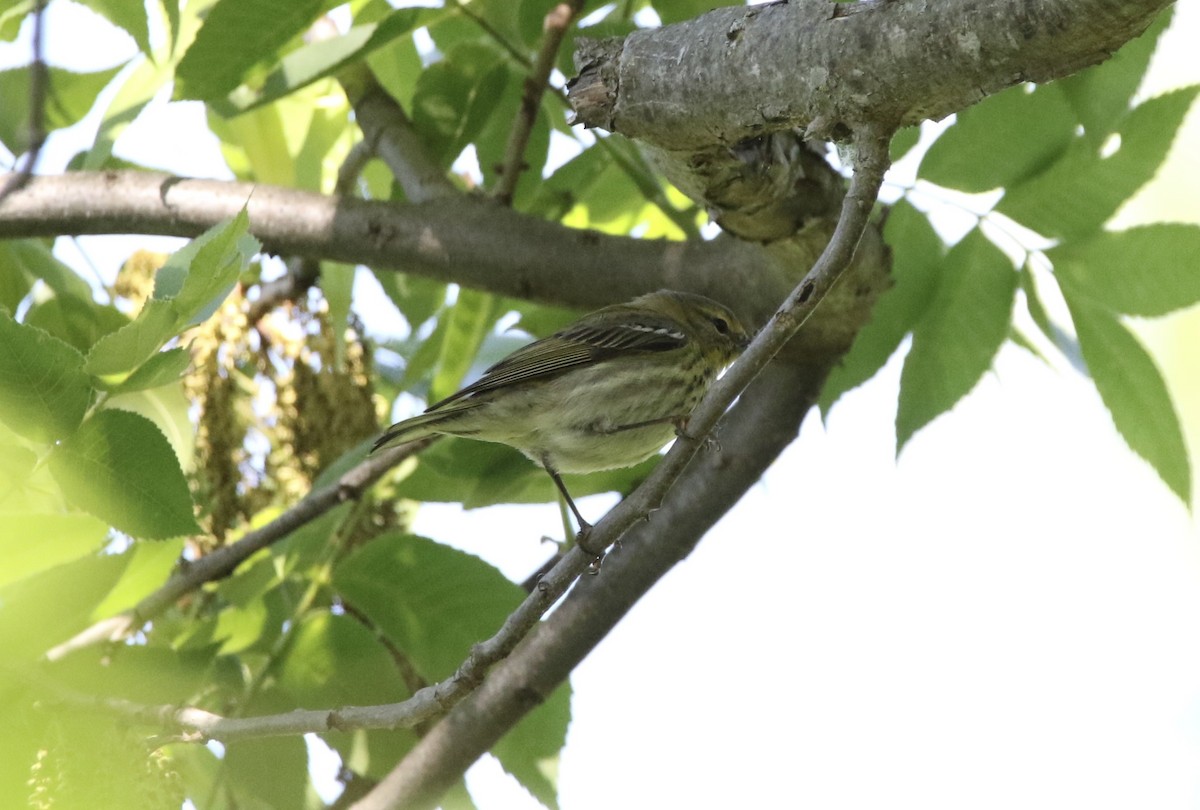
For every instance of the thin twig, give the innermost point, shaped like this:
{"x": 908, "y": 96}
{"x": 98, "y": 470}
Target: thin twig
{"x": 223, "y": 561}
{"x": 302, "y": 273}
{"x": 39, "y": 88}
{"x": 554, "y": 28}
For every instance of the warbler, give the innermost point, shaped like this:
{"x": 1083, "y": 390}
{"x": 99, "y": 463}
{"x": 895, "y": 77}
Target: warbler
{"x": 607, "y": 391}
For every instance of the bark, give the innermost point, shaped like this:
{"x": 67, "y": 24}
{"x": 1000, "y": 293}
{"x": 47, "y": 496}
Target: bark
{"x": 828, "y": 68}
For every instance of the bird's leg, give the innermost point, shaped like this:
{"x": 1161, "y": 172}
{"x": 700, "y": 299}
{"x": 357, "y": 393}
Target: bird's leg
{"x": 585, "y": 528}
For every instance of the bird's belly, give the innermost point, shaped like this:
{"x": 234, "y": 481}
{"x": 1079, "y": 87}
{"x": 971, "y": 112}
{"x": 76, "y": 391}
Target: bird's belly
{"x": 583, "y": 449}
{"x": 580, "y": 425}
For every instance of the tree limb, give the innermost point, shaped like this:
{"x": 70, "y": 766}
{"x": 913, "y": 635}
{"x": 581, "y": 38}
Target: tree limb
{"x": 531, "y": 673}
{"x": 392, "y": 137}
{"x": 830, "y": 68}
{"x": 464, "y": 239}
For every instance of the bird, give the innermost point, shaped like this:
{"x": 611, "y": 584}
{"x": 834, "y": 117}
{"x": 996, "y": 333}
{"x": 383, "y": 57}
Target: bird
{"x": 607, "y": 391}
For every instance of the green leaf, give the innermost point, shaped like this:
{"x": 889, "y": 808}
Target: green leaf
{"x": 136, "y": 342}
{"x": 162, "y": 368}
{"x": 167, "y": 407}
{"x": 492, "y": 139}
{"x": 12, "y": 14}
{"x": 47, "y": 608}
{"x": 188, "y": 288}
{"x": 80, "y": 322}
{"x": 209, "y": 268}
{"x": 417, "y": 298}
{"x": 70, "y": 97}
{"x": 126, "y": 15}
{"x": 119, "y": 467}
{"x": 432, "y": 601}
{"x": 1134, "y": 392}
{"x": 337, "y": 286}
{"x": 1082, "y": 190}
{"x": 954, "y": 343}
{"x": 1065, "y": 343}
{"x": 26, "y": 485}
{"x": 15, "y": 280}
{"x": 236, "y": 36}
{"x": 144, "y": 674}
{"x": 398, "y": 66}
{"x": 469, "y": 321}
{"x": 30, "y": 543}
{"x": 530, "y": 750}
{"x": 44, "y": 391}
{"x": 571, "y": 184}
{"x": 1100, "y": 96}
{"x": 1001, "y": 141}
{"x": 1146, "y": 271}
{"x": 336, "y": 661}
{"x": 916, "y": 255}
{"x": 138, "y": 89}
{"x": 904, "y": 140}
{"x": 33, "y": 259}
{"x": 272, "y": 772}
{"x": 325, "y": 57}
{"x": 454, "y": 99}
{"x": 149, "y": 566}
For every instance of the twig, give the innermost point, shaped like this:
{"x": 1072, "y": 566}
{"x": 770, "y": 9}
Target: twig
{"x": 555, "y": 26}
{"x": 39, "y": 88}
{"x": 391, "y": 136}
{"x": 471, "y": 728}
{"x": 302, "y": 273}
{"x": 352, "y": 167}
{"x": 223, "y": 561}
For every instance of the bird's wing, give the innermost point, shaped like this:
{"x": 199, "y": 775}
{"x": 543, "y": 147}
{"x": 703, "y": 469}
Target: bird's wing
{"x": 580, "y": 344}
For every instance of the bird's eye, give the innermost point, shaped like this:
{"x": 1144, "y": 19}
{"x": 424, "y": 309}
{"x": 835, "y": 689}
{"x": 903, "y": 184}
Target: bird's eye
{"x": 721, "y": 325}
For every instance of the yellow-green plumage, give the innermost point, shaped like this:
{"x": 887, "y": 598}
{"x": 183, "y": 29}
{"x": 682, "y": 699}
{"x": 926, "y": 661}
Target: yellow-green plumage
{"x": 607, "y": 391}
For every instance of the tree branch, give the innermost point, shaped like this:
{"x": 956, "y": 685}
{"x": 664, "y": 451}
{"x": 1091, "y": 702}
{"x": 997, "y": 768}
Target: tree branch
{"x": 528, "y": 676}
{"x": 223, "y": 561}
{"x": 828, "y": 69}
{"x": 555, "y": 26}
{"x": 391, "y": 136}
{"x": 462, "y": 239}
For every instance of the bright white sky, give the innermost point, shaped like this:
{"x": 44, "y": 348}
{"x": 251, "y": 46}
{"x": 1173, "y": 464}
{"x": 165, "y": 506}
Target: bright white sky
{"x": 1004, "y": 617}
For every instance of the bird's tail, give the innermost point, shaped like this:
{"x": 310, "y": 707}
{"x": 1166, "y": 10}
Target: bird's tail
{"x": 409, "y": 430}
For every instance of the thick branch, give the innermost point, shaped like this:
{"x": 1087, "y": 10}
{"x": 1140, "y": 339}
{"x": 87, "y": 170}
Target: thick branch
{"x": 528, "y": 676}
{"x": 464, "y": 239}
{"x": 830, "y": 68}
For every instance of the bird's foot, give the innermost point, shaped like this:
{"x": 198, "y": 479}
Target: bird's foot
{"x": 581, "y": 540}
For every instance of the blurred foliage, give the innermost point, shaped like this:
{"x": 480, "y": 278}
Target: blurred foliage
{"x": 163, "y": 412}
